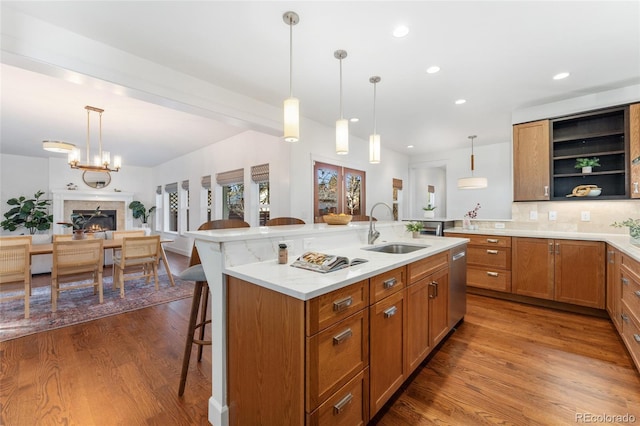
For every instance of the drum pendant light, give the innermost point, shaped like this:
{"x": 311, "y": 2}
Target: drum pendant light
{"x": 291, "y": 104}
{"x": 342, "y": 124}
{"x": 472, "y": 182}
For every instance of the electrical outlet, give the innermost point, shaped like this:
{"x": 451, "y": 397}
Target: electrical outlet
{"x": 585, "y": 216}
{"x": 553, "y": 215}
{"x": 533, "y": 215}
{"x": 499, "y": 225}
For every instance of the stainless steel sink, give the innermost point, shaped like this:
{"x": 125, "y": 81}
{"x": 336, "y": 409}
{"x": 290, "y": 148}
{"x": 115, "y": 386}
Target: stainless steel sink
{"x": 396, "y": 248}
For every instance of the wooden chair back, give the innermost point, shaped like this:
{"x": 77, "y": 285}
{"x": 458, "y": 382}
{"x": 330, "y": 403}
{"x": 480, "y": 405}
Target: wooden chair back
{"x": 74, "y": 257}
{"x": 15, "y": 240}
{"x": 284, "y": 221}
{"x": 361, "y": 218}
{"x": 133, "y": 233}
{"x": 69, "y": 237}
{"x": 144, "y": 249}
{"x": 15, "y": 266}
{"x": 215, "y": 224}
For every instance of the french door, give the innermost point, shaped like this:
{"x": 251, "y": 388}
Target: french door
{"x": 338, "y": 190}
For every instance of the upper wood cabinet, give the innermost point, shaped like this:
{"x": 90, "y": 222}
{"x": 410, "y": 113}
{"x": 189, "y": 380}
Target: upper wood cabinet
{"x": 531, "y": 161}
{"x": 634, "y": 150}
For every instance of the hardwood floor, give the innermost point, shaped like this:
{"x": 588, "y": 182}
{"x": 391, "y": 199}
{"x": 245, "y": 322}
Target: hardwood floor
{"x": 508, "y": 363}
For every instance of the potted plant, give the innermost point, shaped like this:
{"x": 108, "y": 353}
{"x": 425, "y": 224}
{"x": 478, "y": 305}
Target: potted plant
{"x": 79, "y": 222}
{"x": 32, "y": 214}
{"x": 140, "y": 212}
{"x": 634, "y": 229}
{"x": 414, "y": 228}
{"x": 587, "y": 164}
{"x": 429, "y": 211}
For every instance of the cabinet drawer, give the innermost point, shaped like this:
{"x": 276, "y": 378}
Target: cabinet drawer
{"x": 631, "y": 291}
{"x": 421, "y": 268}
{"x": 347, "y": 407}
{"x": 630, "y": 264}
{"x": 631, "y": 333}
{"x": 336, "y": 355}
{"x": 322, "y": 311}
{"x": 387, "y": 283}
{"x": 492, "y": 279}
{"x": 485, "y": 240}
{"x": 489, "y": 257}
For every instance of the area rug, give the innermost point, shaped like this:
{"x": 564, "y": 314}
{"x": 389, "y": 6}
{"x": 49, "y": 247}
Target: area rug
{"x": 81, "y": 305}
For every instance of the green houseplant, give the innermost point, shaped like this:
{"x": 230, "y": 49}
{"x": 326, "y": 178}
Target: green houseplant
{"x": 429, "y": 211}
{"x": 79, "y": 222}
{"x": 634, "y": 229}
{"x": 140, "y": 211}
{"x": 414, "y": 228}
{"x": 587, "y": 164}
{"x": 30, "y": 213}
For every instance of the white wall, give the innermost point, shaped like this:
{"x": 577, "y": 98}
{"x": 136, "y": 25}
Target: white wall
{"x": 421, "y": 177}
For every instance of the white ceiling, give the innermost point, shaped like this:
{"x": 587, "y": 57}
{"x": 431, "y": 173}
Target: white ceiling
{"x": 499, "y": 56}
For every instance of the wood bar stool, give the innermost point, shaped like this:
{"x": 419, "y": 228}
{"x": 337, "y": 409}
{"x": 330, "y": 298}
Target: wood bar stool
{"x": 200, "y": 301}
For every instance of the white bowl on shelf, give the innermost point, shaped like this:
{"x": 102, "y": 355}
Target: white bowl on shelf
{"x": 594, "y": 192}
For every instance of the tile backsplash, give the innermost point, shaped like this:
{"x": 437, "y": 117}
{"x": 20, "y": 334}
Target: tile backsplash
{"x": 569, "y": 214}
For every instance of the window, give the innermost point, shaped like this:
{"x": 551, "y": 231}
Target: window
{"x": 260, "y": 175}
{"x": 232, "y": 184}
{"x": 184, "y": 206}
{"x": 171, "y": 218}
{"x": 338, "y": 190}
{"x": 207, "y": 197}
{"x": 159, "y": 208}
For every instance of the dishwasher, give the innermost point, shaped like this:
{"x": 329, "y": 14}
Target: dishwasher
{"x": 457, "y": 285}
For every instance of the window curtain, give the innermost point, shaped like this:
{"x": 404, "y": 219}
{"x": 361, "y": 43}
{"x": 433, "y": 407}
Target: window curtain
{"x": 260, "y": 173}
{"x": 159, "y": 190}
{"x": 231, "y": 177}
{"x": 206, "y": 182}
{"x": 185, "y": 185}
{"x": 171, "y": 187}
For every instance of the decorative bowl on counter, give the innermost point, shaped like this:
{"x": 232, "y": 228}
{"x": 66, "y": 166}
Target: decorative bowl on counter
{"x": 337, "y": 219}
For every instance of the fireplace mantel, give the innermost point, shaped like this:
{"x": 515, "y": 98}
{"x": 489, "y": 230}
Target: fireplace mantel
{"x": 65, "y": 195}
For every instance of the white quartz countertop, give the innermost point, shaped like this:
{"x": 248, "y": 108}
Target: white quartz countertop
{"x": 304, "y": 284}
{"x": 619, "y": 241}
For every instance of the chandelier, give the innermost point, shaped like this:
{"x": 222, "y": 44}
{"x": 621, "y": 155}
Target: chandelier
{"x": 101, "y": 161}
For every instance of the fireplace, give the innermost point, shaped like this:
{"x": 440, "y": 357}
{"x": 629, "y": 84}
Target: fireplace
{"x": 107, "y": 221}
{"x": 66, "y": 202}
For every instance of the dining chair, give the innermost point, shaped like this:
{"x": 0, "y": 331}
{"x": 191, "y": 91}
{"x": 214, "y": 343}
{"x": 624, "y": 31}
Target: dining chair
{"x": 284, "y": 221}
{"x": 138, "y": 258}
{"x": 69, "y": 237}
{"x": 15, "y": 267}
{"x": 195, "y": 272}
{"x": 74, "y": 261}
{"x": 118, "y": 235}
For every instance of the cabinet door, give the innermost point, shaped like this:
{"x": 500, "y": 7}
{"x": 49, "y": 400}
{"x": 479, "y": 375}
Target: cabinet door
{"x": 418, "y": 346}
{"x": 438, "y": 306}
{"x": 614, "y": 290}
{"x": 532, "y": 267}
{"x": 579, "y": 273}
{"x": 531, "y": 161}
{"x": 386, "y": 349}
{"x": 634, "y": 149}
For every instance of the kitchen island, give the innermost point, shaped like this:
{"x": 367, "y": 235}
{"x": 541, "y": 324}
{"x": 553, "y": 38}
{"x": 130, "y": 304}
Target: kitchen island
{"x": 292, "y": 346}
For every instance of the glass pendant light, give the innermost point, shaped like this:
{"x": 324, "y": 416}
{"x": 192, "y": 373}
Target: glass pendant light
{"x": 374, "y": 139}
{"x": 291, "y": 104}
{"x": 472, "y": 182}
{"x": 342, "y": 124}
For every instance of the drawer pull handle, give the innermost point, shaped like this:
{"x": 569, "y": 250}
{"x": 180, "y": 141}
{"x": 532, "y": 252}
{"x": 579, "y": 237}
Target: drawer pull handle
{"x": 637, "y": 337}
{"x": 390, "y": 312}
{"x": 550, "y": 248}
{"x": 492, "y": 274}
{"x": 546, "y": 191}
{"x": 624, "y": 317}
{"x": 492, "y": 251}
{"x": 493, "y": 240}
{"x": 341, "y": 305}
{"x": 433, "y": 285}
{"x": 625, "y": 281}
{"x": 339, "y": 338}
{"x": 389, "y": 283}
{"x": 337, "y": 409}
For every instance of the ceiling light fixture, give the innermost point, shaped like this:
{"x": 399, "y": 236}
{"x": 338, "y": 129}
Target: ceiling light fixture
{"x": 342, "y": 125}
{"x": 472, "y": 182}
{"x": 374, "y": 139}
{"x": 433, "y": 69}
{"x": 102, "y": 161}
{"x": 291, "y": 104}
{"x": 561, "y": 76}
{"x": 400, "y": 31}
{"x": 58, "y": 146}
{"x": 461, "y": 101}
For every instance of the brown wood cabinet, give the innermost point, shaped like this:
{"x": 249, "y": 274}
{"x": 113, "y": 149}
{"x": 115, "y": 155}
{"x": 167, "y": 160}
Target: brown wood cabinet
{"x": 614, "y": 286}
{"x": 531, "y": 161}
{"x": 566, "y": 271}
{"x": 488, "y": 261}
{"x": 634, "y": 149}
{"x": 630, "y": 306}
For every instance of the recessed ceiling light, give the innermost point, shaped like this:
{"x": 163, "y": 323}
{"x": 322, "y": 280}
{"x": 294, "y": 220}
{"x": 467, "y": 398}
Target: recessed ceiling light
{"x": 433, "y": 69}
{"x": 460, "y": 101}
{"x": 409, "y": 146}
{"x": 400, "y": 31}
{"x": 561, "y": 75}
{"x": 354, "y": 119}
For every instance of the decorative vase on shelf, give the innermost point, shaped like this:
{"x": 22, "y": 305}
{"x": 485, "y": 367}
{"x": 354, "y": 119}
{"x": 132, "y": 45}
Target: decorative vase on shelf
{"x": 429, "y": 214}
{"x": 466, "y": 223}
{"x": 78, "y": 234}
{"x": 587, "y": 169}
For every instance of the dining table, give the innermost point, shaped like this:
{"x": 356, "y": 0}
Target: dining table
{"x": 47, "y": 248}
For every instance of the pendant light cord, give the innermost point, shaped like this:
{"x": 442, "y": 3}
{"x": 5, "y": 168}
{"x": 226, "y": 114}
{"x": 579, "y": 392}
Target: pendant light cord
{"x": 374, "y": 108}
{"x": 341, "y": 117}
{"x": 290, "y": 57}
